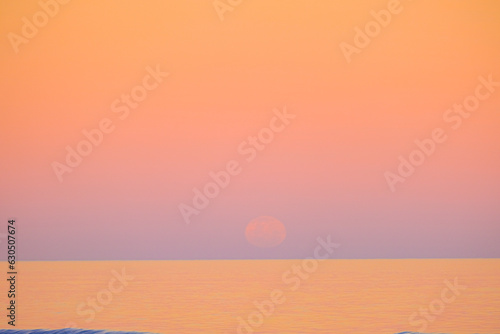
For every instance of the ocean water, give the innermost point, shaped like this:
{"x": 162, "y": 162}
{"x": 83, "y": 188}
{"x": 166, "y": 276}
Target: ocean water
{"x": 260, "y": 296}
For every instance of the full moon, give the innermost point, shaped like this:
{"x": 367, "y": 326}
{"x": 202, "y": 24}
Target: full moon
{"x": 265, "y": 231}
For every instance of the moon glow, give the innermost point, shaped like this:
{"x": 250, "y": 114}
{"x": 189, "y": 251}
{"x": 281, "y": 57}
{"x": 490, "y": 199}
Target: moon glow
{"x": 265, "y": 232}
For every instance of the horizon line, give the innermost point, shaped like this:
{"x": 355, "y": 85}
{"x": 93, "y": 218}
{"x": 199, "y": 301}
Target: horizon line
{"x": 288, "y": 259}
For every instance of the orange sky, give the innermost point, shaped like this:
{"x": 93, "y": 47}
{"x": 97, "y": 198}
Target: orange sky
{"x": 324, "y": 172}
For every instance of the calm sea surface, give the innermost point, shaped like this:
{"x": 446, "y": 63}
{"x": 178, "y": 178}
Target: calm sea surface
{"x": 332, "y": 296}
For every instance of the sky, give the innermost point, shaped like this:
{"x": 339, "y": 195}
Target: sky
{"x": 340, "y": 118}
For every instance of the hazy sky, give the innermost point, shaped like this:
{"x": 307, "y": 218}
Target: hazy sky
{"x": 321, "y": 171}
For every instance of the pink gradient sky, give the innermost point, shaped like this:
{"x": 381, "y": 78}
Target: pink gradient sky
{"x": 323, "y": 174}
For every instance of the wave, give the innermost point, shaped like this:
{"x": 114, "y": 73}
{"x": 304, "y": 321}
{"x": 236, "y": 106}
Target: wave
{"x": 65, "y": 331}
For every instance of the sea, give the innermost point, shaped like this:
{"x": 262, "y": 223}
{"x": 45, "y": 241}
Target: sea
{"x": 454, "y": 296}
